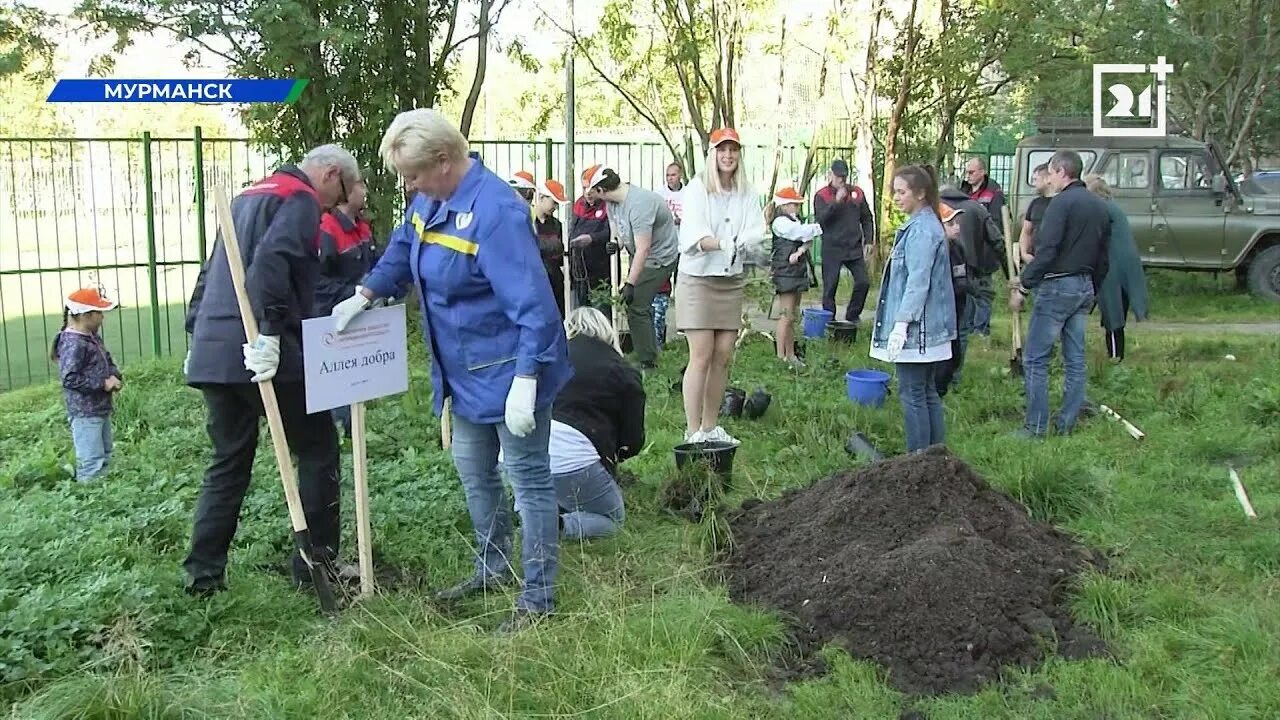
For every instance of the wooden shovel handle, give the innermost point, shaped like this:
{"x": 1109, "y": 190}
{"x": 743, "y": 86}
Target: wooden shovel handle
{"x": 288, "y": 476}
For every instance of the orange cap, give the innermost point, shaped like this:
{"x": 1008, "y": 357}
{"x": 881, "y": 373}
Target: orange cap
{"x": 88, "y": 300}
{"x": 553, "y": 188}
{"x": 948, "y": 213}
{"x": 592, "y": 176}
{"x": 724, "y": 135}
{"x": 523, "y": 180}
{"x": 787, "y": 195}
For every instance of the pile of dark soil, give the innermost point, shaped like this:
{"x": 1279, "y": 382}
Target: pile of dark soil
{"x": 914, "y": 563}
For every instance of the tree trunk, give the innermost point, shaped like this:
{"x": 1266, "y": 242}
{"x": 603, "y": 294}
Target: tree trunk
{"x": 864, "y": 151}
{"x": 895, "y": 118}
{"x": 1266, "y": 78}
{"x": 777, "y": 136}
{"x": 477, "y": 82}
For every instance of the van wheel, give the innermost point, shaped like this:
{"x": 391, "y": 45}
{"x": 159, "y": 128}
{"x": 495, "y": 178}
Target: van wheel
{"x": 1264, "y": 274}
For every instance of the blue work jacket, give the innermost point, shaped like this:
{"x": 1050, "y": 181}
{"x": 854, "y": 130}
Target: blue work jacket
{"x": 488, "y": 313}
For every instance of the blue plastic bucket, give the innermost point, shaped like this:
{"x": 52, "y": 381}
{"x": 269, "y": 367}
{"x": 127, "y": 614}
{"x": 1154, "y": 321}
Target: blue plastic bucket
{"x": 867, "y": 387}
{"x": 815, "y": 321}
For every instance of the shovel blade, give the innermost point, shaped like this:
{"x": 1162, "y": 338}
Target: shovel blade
{"x": 319, "y": 577}
{"x": 859, "y": 444}
{"x": 1015, "y": 363}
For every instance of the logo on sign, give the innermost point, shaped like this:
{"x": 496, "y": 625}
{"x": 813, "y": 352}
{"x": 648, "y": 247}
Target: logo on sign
{"x": 1147, "y": 103}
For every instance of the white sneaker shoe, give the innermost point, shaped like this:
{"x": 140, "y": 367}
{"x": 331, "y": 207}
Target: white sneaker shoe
{"x": 696, "y": 436}
{"x": 718, "y": 434}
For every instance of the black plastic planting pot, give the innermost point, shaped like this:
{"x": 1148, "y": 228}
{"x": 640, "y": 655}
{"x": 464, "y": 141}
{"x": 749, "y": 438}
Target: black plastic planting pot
{"x": 713, "y": 455}
{"x": 843, "y": 331}
{"x": 734, "y": 399}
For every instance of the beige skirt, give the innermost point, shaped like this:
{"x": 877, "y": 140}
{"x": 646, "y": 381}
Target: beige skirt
{"x": 709, "y": 303}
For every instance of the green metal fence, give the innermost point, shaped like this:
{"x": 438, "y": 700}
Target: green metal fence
{"x": 130, "y": 214}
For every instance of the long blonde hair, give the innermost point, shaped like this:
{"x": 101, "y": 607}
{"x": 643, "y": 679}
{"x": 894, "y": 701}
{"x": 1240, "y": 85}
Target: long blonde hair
{"x": 590, "y": 322}
{"x": 711, "y": 174}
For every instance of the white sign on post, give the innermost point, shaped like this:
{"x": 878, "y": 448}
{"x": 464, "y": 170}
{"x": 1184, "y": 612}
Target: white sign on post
{"x": 367, "y": 361}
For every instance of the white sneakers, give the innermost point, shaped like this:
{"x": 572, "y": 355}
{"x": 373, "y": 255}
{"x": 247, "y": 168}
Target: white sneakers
{"x": 715, "y": 434}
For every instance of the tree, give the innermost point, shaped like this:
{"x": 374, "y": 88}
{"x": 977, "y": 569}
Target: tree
{"x": 365, "y": 63}
{"x": 904, "y": 64}
{"x": 23, "y": 111}
{"x": 676, "y": 63}
{"x": 1226, "y": 60}
{"x": 24, "y": 46}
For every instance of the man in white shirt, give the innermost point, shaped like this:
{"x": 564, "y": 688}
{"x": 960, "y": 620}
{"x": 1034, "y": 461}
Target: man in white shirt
{"x": 673, "y": 191}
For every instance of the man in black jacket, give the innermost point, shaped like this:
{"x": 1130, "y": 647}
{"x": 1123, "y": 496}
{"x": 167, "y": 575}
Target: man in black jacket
{"x": 277, "y": 223}
{"x": 589, "y": 253}
{"x": 1070, "y": 262}
{"x": 847, "y": 225}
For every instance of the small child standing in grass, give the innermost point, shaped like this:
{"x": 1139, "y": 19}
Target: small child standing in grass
{"x": 89, "y": 379}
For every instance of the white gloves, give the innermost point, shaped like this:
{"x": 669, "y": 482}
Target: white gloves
{"x": 262, "y": 357}
{"x": 186, "y": 363}
{"x": 897, "y": 340}
{"x": 520, "y": 400}
{"x": 347, "y": 310}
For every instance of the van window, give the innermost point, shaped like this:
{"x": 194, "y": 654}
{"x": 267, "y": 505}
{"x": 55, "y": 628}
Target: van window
{"x": 1039, "y": 157}
{"x": 1127, "y": 170}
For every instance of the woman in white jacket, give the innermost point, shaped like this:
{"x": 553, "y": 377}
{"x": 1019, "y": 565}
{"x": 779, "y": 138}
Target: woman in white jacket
{"x": 723, "y": 225}
{"x": 791, "y": 267}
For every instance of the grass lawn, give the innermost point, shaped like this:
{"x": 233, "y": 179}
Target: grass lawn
{"x": 95, "y": 625}
{"x": 1204, "y": 297}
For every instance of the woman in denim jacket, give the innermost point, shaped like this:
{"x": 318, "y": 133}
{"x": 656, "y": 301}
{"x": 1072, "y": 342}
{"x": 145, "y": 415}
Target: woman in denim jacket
{"x": 916, "y": 316}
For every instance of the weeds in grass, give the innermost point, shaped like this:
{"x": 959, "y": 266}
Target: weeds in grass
{"x": 93, "y": 622}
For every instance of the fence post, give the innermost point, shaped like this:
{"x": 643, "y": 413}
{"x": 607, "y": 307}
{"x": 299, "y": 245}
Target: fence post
{"x": 551, "y": 161}
{"x": 153, "y": 276}
{"x": 201, "y": 239}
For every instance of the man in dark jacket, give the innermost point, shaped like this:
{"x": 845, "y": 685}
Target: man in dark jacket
{"x": 847, "y": 225}
{"x": 277, "y": 223}
{"x": 1070, "y": 262}
{"x": 980, "y": 188}
{"x": 589, "y": 254}
{"x": 983, "y": 244}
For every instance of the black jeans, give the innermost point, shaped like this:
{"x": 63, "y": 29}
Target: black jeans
{"x": 233, "y": 414}
{"x": 949, "y": 369}
{"x": 831, "y": 281}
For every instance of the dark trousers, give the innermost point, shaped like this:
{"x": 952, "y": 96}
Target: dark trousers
{"x": 948, "y": 371}
{"x": 640, "y": 311}
{"x": 583, "y": 290}
{"x": 1115, "y": 336}
{"x": 232, "y": 424}
{"x": 555, "y": 276}
{"x": 831, "y": 281}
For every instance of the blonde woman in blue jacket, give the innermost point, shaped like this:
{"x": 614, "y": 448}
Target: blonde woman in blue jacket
{"x": 916, "y": 313}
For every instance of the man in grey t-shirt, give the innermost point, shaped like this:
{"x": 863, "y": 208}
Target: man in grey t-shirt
{"x": 643, "y": 224}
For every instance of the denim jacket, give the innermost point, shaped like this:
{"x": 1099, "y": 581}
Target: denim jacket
{"x": 916, "y": 288}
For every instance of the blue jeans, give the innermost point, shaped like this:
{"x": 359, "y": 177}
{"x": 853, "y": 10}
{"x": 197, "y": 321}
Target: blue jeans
{"x": 921, "y": 406}
{"x": 91, "y": 438}
{"x": 527, "y": 463}
{"x": 592, "y": 502}
{"x": 1060, "y": 310}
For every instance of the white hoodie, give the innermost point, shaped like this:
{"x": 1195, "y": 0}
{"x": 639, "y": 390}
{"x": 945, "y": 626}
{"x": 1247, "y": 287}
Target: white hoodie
{"x": 737, "y": 216}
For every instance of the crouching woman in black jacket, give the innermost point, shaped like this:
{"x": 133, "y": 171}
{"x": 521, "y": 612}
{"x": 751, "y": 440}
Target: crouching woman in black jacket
{"x": 597, "y": 422}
